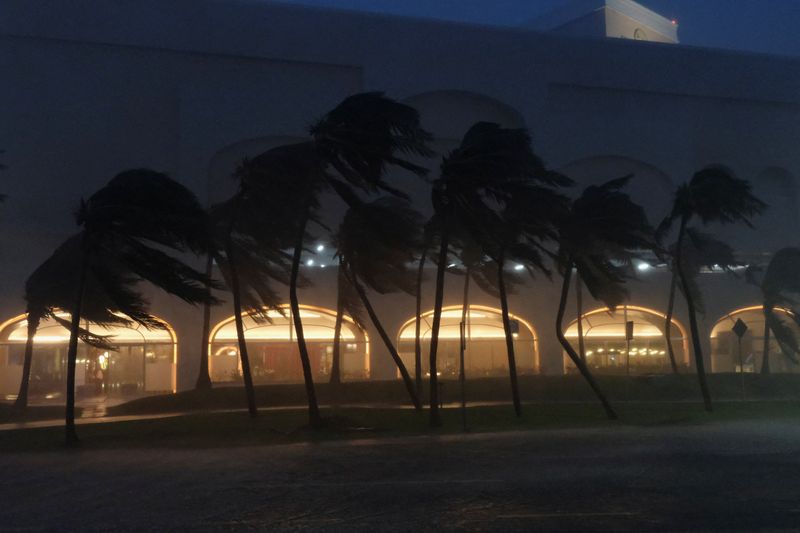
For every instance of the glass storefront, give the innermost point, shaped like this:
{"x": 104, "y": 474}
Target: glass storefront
{"x": 274, "y": 354}
{"x": 725, "y": 348}
{"x": 143, "y": 361}
{"x": 485, "y": 352}
{"x": 608, "y": 351}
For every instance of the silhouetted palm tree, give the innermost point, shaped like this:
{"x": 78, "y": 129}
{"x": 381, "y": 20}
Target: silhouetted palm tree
{"x": 699, "y": 251}
{"x": 248, "y": 248}
{"x": 475, "y": 182}
{"x": 713, "y": 194}
{"x": 780, "y": 288}
{"x": 428, "y": 243}
{"x": 598, "y": 238}
{"x": 125, "y": 228}
{"x": 347, "y": 301}
{"x": 377, "y": 242}
{"x": 350, "y": 149}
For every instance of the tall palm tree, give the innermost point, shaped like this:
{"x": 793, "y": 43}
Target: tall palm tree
{"x": 598, "y": 238}
{"x": 125, "y": 228}
{"x": 49, "y": 290}
{"x": 428, "y": 243}
{"x": 349, "y": 150}
{"x": 780, "y": 288}
{"x": 475, "y": 182}
{"x": 700, "y": 251}
{"x": 377, "y": 241}
{"x": 247, "y": 246}
{"x": 713, "y": 194}
{"x": 347, "y": 301}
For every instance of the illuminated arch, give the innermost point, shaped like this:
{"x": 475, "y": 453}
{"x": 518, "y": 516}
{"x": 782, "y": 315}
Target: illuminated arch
{"x": 274, "y": 356}
{"x": 485, "y": 354}
{"x": 145, "y": 360}
{"x": 606, "y": 348}
{"x": 725, "y": 345}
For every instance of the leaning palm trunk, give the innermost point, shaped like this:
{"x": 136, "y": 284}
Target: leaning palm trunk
{"x": 435, "y": 417}
{"x": 579, "y": 309}
{"x": 462, "y": 345}
{"x": 697, "y": 348}
{"x": 512, "y": 359}
{"x": 237, "y": 313}
{"x": 668, "y": 324}
{"x": 314, "y": 418}
{"x": 765, "y": 359}
{"x": 336, "y": 377}
{"x": 418, "y": 325}
{"x": 21, "y": 402}
{"x": 71, "y": 436}
{"x": 386, "y": 341}
{"x": 203, "y": 378}
{"x": 576, "y": 359}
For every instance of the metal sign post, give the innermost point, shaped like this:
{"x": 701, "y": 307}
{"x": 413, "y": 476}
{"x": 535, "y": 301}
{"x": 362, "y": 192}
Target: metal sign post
{"x": 739, "y": 329}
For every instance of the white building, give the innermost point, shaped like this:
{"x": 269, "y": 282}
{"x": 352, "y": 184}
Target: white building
{"x": 189, "y": 87}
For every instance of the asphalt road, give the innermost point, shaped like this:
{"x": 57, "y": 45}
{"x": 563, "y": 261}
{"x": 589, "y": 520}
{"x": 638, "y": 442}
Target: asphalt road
{"x": 735, "y": 476}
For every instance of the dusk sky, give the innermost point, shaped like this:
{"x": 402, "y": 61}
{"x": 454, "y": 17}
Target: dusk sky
{"x": 756, "y": 25}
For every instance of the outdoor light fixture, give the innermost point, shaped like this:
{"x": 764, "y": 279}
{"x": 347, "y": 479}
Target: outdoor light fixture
{"x": 518, "y": 267}
{"x": 643, "y": 267}
{"x": 310, "y": 262}
{"x": 320, "y": 247}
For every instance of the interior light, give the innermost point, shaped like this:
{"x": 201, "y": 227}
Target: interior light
{"x": 322, "y": 266}
{"x": 451, "y": 265}
{"x": 310, "y": 262}
{"x": 518, "y": 267}
{"x": 643, "y": 267}
{"x": 320, "y": 247}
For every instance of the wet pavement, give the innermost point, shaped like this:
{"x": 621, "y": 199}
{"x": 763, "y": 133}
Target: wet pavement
{"x": 733, "y": 476}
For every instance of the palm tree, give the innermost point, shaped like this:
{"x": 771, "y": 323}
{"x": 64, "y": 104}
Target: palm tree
{"x": 700, "y": 251}
{"x": 247, "y": 246}
{"x": 349, "y": 301}
{"x": 597, "y": 238}
{"x": 475, "y": 181}
{"x": 780, "y": 288}
{"x": 428, "y": 242}
{"x": 376, "y": 242}
{"x": 713, "y": 194}
{"x": 125, "y": 228}
{"x": 49, "y": 290}
{"x": 350, "y": 150}
{"x": 203, "y": 382}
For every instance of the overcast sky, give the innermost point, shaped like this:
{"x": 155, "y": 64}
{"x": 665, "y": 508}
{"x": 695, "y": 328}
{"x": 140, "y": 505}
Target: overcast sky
{"x": 756, "y": 25}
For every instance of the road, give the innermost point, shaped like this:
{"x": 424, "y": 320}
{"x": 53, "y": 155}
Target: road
{"x": 733, "y": 476}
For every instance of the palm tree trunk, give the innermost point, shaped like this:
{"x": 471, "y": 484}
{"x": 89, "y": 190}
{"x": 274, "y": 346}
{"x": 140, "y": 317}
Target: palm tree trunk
{"x": 579, "y": 306}
{"x": 435, "y": 417}
{"x": 765, "y": 357}
{"x": 386, "y": 341}
{"x": 314, "y": 418}
{"x": 21, "y": 403}
{"x": 668, "y": 324}
{"x": 462, "y": 345}
{"x": 697, "y": 348}
{"x": 237, "y": 313}
{"x": 71, "y": 436}
{"x": 582, "y": 368}
{"x": 336, "y": 377}
{"x": 203, "y": 379}
{"x": 512, "y": 359}
{"x": 418, "y": 325}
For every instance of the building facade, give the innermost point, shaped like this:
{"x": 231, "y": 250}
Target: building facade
{"x": 91, "y": 87}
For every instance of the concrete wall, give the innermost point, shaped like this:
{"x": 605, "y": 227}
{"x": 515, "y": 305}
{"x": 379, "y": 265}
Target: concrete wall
{"x": 90, "y": 88}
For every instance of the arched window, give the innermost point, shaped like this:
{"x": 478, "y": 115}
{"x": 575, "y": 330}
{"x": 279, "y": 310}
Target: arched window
{"x": 725, "y": 354}
{"x": 485, "y": 353}
{"x": 273, "y": 351}
{"x": 144, "y": 360}
{"x": 607, "y": 350}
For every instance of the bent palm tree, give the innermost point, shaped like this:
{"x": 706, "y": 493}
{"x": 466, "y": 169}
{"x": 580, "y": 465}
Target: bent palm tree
{"x": 699, "y": 251}
{"x": 598, "y": 238}
{"x": 126, "y": 226}
{"x": 476, "y": 180}
{"x": 350, "y": 149}
{"x": 780, "y": 288}
{"x": 713, "y": 194}
{"x": 376, "y": 242}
